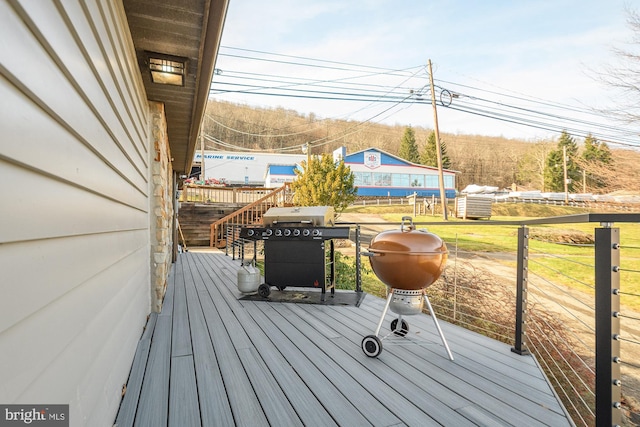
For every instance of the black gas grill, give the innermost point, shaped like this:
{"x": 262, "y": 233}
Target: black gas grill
{"x": 295, "y": 253}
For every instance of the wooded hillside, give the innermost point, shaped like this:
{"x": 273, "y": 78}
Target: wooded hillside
{"x": 481, "y": 160}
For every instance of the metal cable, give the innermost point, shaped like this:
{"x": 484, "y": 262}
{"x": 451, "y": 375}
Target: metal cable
{"x": 561, "y": 305}
{"x": 629, "y": 340}
{"x": 561, "y": 257}
{"x": 568, "y": 345}
{"x": 591, "y": 245}
{"x": 568, "y": 399}
{"x": 466, "y": 314}
{"x": 628, "y": 317}
{"x": 633, "y": 365}
{"x": 586, "y": 386}
{"x": 561, "y": 273}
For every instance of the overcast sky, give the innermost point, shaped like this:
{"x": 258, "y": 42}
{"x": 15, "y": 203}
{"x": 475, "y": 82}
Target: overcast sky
{"x": 547, "y": 50}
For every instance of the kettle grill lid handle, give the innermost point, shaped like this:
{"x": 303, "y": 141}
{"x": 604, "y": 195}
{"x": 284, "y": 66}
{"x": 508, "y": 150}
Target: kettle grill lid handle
{"x": 404, "y": 224}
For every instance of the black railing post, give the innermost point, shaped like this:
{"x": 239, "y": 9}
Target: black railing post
{"x": 607, "y": 264}
{"x": 235, "y": 242}
{"x": 358, "y": 261}
{"x": 224, "y": 236}
{"x": 520, "y": 346}
{"x": 241, "y": 244}
{"x": 230, "y": 230}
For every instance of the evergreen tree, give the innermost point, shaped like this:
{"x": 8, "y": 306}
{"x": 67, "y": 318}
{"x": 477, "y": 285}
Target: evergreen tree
{"x": 429, "y": 156}
{"x": 553, "y": 172}
{"x": 408, "y": 147}
{"x": 554, "y": 169}
{"x": 596, "y": 158}
{"x": 446, "y": 161}
{"x": 596, "y": 151}
{"x": 324, "y": 182}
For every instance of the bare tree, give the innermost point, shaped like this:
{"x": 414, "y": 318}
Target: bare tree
{"x": 478, "y": 159}
{"x": 531, "y": 165}
{"x": 624, "y": 177}
{"x": 624, "y": 78}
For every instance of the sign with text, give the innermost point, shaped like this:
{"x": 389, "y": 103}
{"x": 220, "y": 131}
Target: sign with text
{"x": 34, "y": 415}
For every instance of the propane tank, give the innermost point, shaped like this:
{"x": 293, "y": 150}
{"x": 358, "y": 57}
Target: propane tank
{"x": 248, "y": 279}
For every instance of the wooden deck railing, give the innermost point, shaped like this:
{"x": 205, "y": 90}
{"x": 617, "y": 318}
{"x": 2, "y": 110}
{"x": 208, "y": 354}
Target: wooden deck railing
{"x": 250, "y": 214}
{"x": 212, "y": 194}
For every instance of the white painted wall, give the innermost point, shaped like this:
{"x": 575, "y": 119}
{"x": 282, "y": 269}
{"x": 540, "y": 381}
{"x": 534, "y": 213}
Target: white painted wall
{"x": 74, "y": 205}
{"x": 234, "y": 166}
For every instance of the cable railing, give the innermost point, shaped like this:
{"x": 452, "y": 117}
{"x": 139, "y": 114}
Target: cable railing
{"x": 574, "y": 316}
{"x": 574, "y": 305}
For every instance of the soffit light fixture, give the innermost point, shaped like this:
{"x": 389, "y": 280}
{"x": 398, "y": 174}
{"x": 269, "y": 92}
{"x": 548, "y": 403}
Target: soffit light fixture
{"x": 167, "y": 69}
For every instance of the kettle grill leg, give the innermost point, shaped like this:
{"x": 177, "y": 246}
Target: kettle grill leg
{"x": 384, "y": 312}
{"x": 435, "y": 321}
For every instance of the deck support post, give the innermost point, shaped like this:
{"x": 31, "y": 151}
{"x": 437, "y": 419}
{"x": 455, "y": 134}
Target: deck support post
{"x": 607, "y": 267}
{"x": 520, "y": 346}
{"x": 358, "y": 260}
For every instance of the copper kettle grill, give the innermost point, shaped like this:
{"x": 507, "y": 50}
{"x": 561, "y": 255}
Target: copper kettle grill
{"x": 407, "y": 261}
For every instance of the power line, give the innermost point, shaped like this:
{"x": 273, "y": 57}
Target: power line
{"x": 312, "y": 144}
{"x": 240, "y": 132}
{"x": 355, "y": 85}
{"x": 320, "y": 61}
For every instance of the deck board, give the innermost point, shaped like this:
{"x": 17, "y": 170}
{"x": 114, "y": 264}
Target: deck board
{"x": 214, "y": 405}
{"x": 359, "y": 370}
{"x": 213, "y": 359}
{"x": 300, "y": 354}
{"x": 183, "y": 394}
{"x": 295, "y": 389}
{"x": 181, "y": 334}
{"x": 464, "y": 383}
{"x": 245, "y": 406}
{"x": 153, "y": 406}
{"x": 129, "y": 403}
{"x": 370, "y": 393}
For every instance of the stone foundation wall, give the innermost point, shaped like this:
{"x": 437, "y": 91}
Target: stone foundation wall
{"x": 162, "y": 203}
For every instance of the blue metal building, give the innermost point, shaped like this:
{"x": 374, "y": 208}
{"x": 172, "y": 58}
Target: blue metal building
{"x": 380, "y": 174}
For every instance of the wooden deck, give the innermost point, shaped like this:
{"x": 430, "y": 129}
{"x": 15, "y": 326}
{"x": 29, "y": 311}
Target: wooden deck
{"x": 210, "y": 359}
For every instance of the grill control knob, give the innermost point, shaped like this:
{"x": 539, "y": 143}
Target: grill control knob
{"x": 278, "y": 233}
{"x": 268, "y": 232}
{"x": 306, "y": 232}
{"x": 296, "y": 232}
{"x": 287, "y": 232}
{"x": 316, "y": 232}
{"x": 250, "y": 233}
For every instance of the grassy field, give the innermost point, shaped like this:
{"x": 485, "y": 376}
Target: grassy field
{"x": 554, "y": 254}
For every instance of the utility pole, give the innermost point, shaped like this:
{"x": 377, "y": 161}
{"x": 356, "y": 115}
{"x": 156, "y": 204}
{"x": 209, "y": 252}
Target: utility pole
{"x": 306, "y": 149}
{"x": 443, "y": 196}
{"x": 566, "y": 180}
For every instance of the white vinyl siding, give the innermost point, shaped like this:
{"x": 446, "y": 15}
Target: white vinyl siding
{"x": 74, "y": 205}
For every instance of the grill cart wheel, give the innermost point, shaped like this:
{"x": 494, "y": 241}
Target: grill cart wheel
{"x": 402, "y": 331}
{"x": 264, "y": 290}
{"x": 371, "y": 345}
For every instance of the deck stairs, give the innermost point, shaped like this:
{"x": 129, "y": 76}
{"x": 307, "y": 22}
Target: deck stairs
{"x": 225, "y": 230}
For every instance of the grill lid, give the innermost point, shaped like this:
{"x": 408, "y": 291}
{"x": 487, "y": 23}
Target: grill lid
{"x": 319, "y": 216}
{"x": 407, "y": 258}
